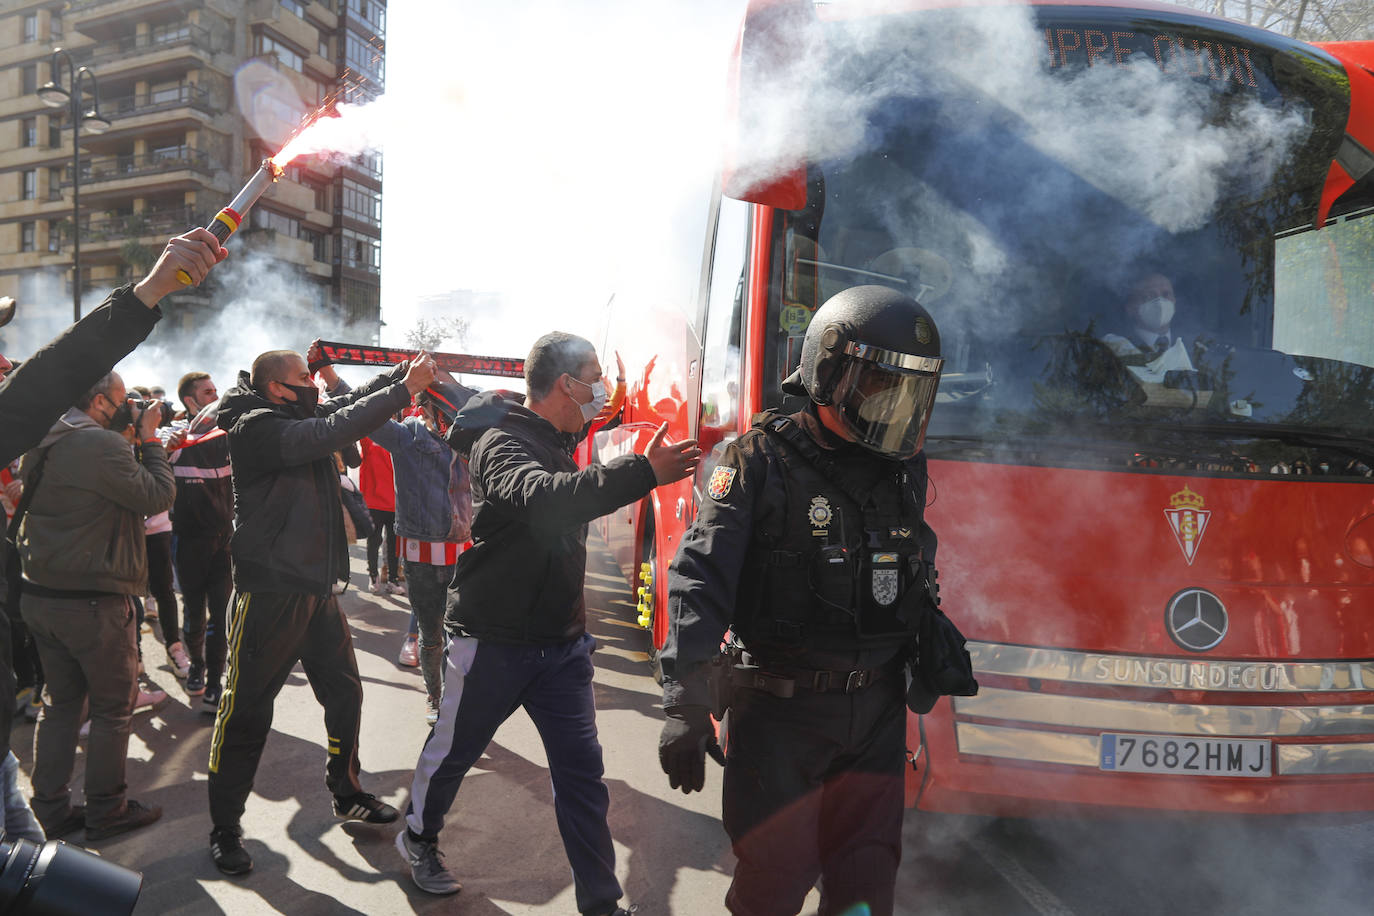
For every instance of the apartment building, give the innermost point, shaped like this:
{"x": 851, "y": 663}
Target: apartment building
{"x": 196, "y": 93}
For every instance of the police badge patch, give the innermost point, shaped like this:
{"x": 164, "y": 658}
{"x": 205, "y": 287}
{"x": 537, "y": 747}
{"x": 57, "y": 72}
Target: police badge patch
{"x": 721, "y": 479}
{"x": 885, "y": 578}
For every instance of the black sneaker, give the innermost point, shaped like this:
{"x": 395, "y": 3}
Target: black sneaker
{"x": 209, "y": 703}
{"x": 195, "y": 679}
{"x": 364, "y": 807}
{"x": 226, "y": 848}
{"x": 133, "y": 816}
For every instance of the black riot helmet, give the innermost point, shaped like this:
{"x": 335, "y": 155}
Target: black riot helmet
{"x": 874, "y": 354}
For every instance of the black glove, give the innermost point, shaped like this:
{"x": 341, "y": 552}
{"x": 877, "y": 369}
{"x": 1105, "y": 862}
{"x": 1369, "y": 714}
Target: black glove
{"x": 688, "y": 736}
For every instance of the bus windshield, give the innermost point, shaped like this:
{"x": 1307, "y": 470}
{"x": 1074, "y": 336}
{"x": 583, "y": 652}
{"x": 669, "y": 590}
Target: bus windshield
{"x": 1086, "y": 319}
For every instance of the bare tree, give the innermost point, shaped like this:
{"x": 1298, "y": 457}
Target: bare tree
{"x": 430, "y": 333}
{"x": 1308, "y": 20}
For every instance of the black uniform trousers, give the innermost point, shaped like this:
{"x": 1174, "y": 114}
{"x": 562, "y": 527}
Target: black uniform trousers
{"x": 204, "y": 570}
{"x": 814, "y": 789}
{"x": 268, "y": 633}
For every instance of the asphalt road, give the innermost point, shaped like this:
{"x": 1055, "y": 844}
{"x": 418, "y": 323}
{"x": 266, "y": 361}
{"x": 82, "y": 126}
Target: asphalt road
{"x": 672, "y": 856}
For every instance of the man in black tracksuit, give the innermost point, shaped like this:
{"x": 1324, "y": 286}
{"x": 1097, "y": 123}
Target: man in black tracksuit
{"x": 811, "y": 546}
{"x": 516, "y": 618}
{"x": 289, "y": 549}
{"x": 203, "y": 520}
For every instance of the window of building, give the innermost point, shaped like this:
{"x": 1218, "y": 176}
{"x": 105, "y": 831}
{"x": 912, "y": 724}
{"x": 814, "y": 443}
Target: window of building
{"x": 324, "y": 47}
{"x": 262, "y": 218}
{"x": 371, "y": 12}
{"x": 54, "y": 182}
{"x": 28, "y": 183}
{"x": 359, "y": 202}
{"x": 169, "y": 32}
{"x": 28, "y": 132}
{"x": 364, "y": 58}
{"x": 29, "y": 79}
{"x": 294, "y": 6}
{"x": 31, "y": 27}
{"x": 172, "y": 152}
{"x": 319, "y": 243}
{"x": 362, "y": 252}
{"x": 54, "y": 134}
{"x": 54, "y": 235}
{"x": 165, "y": 92}
{"x": 267, "y": 45}
{"x": 26, "y": 242}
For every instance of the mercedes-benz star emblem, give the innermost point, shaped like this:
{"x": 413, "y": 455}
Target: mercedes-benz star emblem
{"x": 1196, "y": 619}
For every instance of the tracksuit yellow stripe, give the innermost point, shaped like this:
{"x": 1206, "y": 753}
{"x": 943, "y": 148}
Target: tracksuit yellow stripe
{"x": 226, "y": 702}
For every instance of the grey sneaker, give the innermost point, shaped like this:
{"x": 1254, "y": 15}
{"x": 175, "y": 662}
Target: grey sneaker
{"x": 426, "y": 868}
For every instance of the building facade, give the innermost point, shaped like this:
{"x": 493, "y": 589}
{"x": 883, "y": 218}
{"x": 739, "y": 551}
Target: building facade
{"x": 196, "y": 93}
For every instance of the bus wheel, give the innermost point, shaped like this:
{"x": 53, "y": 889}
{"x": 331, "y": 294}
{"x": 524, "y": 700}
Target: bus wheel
{"x": 648, "y": 573}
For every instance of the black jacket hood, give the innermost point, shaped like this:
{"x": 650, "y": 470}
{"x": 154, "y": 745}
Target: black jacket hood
{"x": 242, "y": 401}
{"x": 488, "y": 410}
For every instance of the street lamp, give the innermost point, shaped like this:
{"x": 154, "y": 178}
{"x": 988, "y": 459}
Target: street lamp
{"x": 54, "y": 96}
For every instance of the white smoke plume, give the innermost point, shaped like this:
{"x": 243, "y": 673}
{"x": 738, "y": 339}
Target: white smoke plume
{"x": 256, "y": 307}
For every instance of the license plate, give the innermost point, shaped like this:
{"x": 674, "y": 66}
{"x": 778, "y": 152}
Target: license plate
{"x": 1177, "y": 754}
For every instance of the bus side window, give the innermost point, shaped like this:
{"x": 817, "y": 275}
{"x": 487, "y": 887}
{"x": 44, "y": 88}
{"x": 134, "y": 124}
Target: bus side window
{"x": 720, "y": 364}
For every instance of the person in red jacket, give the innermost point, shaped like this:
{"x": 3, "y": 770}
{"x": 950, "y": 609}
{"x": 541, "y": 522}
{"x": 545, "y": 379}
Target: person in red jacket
{"x": 379, "y": 494}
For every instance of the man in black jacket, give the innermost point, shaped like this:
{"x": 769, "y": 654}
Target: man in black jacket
{"x": 289, "y": 549}
{"x": 33, "y": 396}
{"x": 516, "y": 618}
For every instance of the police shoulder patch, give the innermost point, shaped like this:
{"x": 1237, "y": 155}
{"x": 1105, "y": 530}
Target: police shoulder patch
{"x": 721, "y": 479}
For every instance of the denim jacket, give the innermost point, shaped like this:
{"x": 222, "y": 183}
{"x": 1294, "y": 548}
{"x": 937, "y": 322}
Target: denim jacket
{"x": 433, "y": 490}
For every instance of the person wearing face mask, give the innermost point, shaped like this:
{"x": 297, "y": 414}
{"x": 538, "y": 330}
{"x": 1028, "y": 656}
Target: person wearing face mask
{"x": 289, "y": 549}
{"x": 82, "y": 549}
{"x": 433, "y": 510}
{"x": 516, "y": 619}
{"x": 1148, "y": 311}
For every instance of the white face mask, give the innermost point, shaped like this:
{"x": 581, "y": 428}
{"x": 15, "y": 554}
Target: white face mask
{"x": 598, "y": 401}
{"x": 1156, "y": 314}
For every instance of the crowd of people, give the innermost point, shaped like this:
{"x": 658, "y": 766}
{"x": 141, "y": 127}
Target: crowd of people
{"x": 242, "y": 502}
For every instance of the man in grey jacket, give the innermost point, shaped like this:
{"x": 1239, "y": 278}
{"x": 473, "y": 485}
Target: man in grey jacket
{"x": 84, "y": 561}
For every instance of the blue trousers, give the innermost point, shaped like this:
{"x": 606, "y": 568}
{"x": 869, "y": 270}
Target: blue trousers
{"x": 484, "y": 683}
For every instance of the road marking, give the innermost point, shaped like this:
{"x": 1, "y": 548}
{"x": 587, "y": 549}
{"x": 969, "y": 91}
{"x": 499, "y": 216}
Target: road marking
{"x": 1015, "y": 874}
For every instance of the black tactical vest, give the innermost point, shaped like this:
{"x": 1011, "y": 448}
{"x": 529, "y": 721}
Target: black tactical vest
{"x": 846, "y": 568}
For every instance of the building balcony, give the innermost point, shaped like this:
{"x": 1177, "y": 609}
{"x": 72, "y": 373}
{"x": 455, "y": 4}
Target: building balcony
{"x": 163, "y": 44}
{"x": 93, "y": 14}
{"x": 162, "y": 100}
{"x": 159, "y": 225}
{"x": 272, "y": 15}
{"x": 323, "y": 14}
{"x": 114, "y": 168}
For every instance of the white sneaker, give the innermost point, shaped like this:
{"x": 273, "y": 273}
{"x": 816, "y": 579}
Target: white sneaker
{"x": 396, "y": 588}
{"x": 181, "y": 662}
{"x": 376, "y": 586}
{"x": 426, "y": 868}
{"x": 339, "y": 587}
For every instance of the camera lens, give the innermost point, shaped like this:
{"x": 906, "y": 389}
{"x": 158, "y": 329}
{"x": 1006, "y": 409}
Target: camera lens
{"x": 55, "y": 879}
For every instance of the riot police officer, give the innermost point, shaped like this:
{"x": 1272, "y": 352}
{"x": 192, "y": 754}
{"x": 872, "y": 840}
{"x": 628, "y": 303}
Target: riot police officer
{"x": 812, "y": 548}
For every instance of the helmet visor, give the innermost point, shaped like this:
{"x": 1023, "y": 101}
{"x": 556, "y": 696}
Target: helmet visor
{"x": 885, "y": 408}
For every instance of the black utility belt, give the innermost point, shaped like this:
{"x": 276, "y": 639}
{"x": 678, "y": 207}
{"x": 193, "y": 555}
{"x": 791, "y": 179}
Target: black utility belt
{"x": 785, "y": 685}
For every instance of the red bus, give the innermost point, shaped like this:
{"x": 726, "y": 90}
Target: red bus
{"x": 1162, "y": 552}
